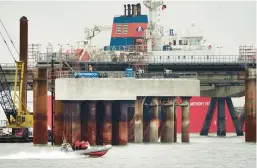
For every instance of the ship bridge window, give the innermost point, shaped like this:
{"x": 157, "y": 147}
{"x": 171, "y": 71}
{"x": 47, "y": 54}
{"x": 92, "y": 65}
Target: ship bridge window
{"x": 118, "y": 29}
{"x": 182, "y": 42}
{"x": 125, "y": 29}
{"x": 174, "y": 42}
{"x": 194, "y": 42}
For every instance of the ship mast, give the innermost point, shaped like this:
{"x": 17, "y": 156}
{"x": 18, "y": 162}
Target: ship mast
{"x": 154, "y": 29}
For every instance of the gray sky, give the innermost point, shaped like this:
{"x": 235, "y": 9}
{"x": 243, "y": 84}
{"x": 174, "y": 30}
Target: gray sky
{"x": 228, "y": 24}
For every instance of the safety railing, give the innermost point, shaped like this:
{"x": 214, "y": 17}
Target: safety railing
{"x": 162, "y": 58}
{"x": 13, "y": 65}
{"x": 143, "y": 47}
{"x": 121, "y": 74}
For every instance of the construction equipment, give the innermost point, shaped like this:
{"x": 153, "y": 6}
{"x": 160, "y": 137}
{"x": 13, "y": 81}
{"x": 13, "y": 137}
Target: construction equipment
{"x": 19, "y": 118}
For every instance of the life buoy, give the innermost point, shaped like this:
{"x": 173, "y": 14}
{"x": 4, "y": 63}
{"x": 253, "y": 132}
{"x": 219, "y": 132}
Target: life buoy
{"x": 209, "y": 47}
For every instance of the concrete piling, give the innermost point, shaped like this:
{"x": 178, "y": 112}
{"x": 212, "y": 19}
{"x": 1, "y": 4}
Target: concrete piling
{"x": 185, "y": 119}
{"x": 138, "y": 132}
{"x": 250, "y": 105}
{"x": 107, "y": 125}
{"x": 58, "y": 122}
{"x": 153, "y": 127}
{"x": 91, "y": 125}
{"x": 123, "y": 126}
{"x": 168, "y": 121}
{"x": 40, "y": 132}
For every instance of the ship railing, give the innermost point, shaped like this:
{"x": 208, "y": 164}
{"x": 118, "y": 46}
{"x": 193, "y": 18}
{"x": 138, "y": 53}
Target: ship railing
{"x": 121, "y": 74}
{"x": 126, "y": 58}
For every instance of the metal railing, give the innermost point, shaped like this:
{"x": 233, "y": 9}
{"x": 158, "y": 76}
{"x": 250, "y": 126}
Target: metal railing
{"x": 161, "y": 58}
{"x": 13, "y": 65}
{"x": 121, "y": 74}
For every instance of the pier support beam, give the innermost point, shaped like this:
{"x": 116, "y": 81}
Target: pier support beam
{"x": 58, "y": 122}
{"x": 235, "y": 120}
{"x": 208, "y": 117}
{"x": 221, "y": 131}
{"x": 185, "y": 119}
{"x": 131, "y": 122}
{"x": 123, "y": 124}
{"x": 167, "y": 134}
{"x": 67, "y": 119}
{"x": 175, "y": 122}
{"x": 242, "y": 119}
{"x": 75, "y": 108}
{"x": 154, "y": 123}
{"x": 91, "y": 123}
{"x": 107, "y": 125}
{"x": 250, "y": 105}
{"x": 84, "y": 119}
{"x": 138, "y": 132}
{"x": 40, "y": 131}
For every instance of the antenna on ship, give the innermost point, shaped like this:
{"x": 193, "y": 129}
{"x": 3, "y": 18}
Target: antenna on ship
{"x": 154, "y": 19}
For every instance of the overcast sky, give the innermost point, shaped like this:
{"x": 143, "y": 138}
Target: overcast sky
{"x": 227, "y": 24}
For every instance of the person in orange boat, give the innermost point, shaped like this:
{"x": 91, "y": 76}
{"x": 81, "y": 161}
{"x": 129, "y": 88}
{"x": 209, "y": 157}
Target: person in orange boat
{"x": 78, "y": 145}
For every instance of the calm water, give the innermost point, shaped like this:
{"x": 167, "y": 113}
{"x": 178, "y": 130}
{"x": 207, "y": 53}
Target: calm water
{"x": 202, "y": 152}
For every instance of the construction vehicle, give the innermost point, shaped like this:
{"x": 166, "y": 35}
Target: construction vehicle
{"x": 19, "y": 120}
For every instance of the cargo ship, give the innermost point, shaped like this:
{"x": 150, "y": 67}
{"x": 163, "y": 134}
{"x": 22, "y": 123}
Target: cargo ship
{"x": 140, "y": 35}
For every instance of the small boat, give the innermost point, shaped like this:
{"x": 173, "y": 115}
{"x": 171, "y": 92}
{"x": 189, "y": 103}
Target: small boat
{"x": 84, "y": 148}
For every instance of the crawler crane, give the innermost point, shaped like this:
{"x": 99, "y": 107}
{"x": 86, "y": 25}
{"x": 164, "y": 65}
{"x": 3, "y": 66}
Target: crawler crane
{"x": 18, "y": 117}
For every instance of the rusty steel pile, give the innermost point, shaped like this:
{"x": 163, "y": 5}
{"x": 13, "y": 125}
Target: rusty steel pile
{"x": 112, "y": 122}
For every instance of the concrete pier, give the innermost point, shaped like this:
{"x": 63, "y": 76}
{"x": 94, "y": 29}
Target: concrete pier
{"x": 138, "y": 130}
{"x": 58, "y": 121}
{"x": 123, "y": 88}
{"x": 169, "y": 126}
{"x": 40, "y": 132}
{"x": 119, "y": 91}
{"x": 154, "y": 123}
{"x": 185, "y": 119}
{"x": 250, "y": 107}
{"x": 123, "y": 124}
{"x": 107, "y": 125}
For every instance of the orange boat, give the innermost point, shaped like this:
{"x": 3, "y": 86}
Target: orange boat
{"x": 84, "y": 148}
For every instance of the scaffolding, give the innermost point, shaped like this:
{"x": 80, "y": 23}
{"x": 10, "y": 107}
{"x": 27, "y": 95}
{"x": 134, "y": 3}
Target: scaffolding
{"x": 33, "y": 52}
{"x": 138, "y": 59}
{"x": 247, "y": 53}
